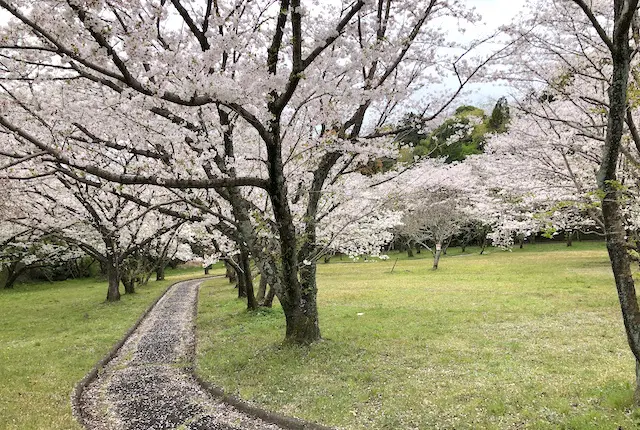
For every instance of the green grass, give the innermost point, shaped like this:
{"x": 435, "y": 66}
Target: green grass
{"x": 51, "y": 335}
{"x": 511, "y": 340}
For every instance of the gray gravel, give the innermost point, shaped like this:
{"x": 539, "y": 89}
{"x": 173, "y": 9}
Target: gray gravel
{"x": 149, "y": 385}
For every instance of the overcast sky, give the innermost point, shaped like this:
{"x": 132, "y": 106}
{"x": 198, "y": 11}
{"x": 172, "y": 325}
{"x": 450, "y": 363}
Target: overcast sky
{"x": 494, "y": 13}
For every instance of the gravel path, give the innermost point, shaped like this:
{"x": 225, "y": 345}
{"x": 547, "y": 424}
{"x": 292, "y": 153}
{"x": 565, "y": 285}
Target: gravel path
{"x": 148, "y": 385}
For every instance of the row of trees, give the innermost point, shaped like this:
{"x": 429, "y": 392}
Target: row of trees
{"x": 247, "y": 127}
{"x": 257, "y": 115}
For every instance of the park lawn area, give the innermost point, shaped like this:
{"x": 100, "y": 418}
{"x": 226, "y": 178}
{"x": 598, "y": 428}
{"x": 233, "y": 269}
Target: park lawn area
{"x": 51, "y": 336}
{"x": 510, "y": 340}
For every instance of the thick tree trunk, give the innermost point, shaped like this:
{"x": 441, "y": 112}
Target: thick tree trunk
{"x": 113, "y": 291}
{"x": 129, "y": 284}
{"x": 521, "y": 240}
{"x": 569, "y": 237}
{"x": 483, "y": 245}
{"x": 302, "y": 319}
{"x": 160, "y": 273}
{"x": 206, "y": 270}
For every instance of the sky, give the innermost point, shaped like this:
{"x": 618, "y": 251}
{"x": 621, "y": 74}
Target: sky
{"x": 494, "y": 14}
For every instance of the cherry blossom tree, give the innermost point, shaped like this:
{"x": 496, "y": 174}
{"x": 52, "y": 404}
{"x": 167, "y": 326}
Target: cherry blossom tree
{"x": 584, "y": 54}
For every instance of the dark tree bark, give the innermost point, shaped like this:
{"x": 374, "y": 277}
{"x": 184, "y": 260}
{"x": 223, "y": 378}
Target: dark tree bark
{"x": 268, "y": 300}
{"x": 569, "y": 237}
{"x": 160, "y": 273}
{"x": 483, "y": 244}
{"x": 262, "y": 289}
{"x": 241, "y": 286}
{"x": 230, "y": 273}
{"x": 129, "y": 284}
{"x": 113, "y": 275}
{"x": 13, "y": 273}
{"x": 252, "y": 304}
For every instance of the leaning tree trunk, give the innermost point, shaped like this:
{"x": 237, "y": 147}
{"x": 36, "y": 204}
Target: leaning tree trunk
{"x": 608, "y": 185}
{"x": 12, "y": 276}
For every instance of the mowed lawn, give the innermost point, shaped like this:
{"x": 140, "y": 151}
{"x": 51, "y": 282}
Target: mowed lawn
{"x": 51, "y": 335}
{"x": 530, "y": 339}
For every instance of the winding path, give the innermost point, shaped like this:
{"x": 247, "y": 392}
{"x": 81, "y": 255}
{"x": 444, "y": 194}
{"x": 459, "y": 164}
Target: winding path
{"x": 149, "y": 385}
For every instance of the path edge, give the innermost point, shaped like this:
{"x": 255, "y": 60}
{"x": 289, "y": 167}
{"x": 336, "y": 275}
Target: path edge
{"x": 289, "y": 423}
{"x": 93, "y": 374}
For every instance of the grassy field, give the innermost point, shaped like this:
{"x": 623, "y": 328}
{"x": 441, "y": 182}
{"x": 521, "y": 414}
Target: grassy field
{"x": 511, "y": 340}
{"x": 51, "y": 335}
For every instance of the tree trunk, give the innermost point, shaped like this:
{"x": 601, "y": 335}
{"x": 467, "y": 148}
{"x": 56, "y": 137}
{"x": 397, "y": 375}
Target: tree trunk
{"x": 302, "y": 318}
{"x": 160, "y": 273}
{"x": 483, "y": 245}
{"x": 569, "y": 237}
{"x": 608, "y": 185}
{"x": 11, "y": 276}
{"x": 252, "y": 304}
{"x": 240, "y": 285}
{"x": 410, "y": 250}
{"x": 206, "y": 270}
{"x": 521, "y": 240}
{"x": 327, "y": 259}
{"x": 436, "y": 256}
{"x": 129, "y": 284}
{"x": 230, "y": 273}
{"x": 268, "y": 300}
{"x": 262, "y": 289}
{"x": 113, "y": 291}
